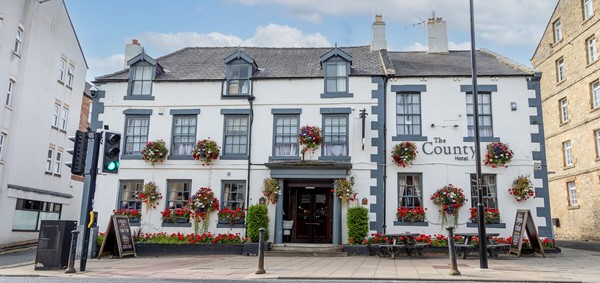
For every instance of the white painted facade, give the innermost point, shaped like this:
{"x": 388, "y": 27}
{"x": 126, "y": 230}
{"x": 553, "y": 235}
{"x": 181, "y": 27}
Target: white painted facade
{"x": 47, "y": 36}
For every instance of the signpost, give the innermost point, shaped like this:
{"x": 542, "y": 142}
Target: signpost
{"x": 524, "y": 223}
{"x": 118, "y": 237}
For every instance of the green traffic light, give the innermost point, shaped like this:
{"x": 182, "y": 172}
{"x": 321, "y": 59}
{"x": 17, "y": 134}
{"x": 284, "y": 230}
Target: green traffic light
{"x": 112, "y": 166}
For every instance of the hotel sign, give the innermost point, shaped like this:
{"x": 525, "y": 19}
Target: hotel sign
{"x": 440, "y": 147}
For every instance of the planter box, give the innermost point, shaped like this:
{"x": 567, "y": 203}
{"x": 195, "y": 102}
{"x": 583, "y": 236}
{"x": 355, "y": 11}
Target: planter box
{"x": 188, "y": 249}
{"x": 495, "y": 225}
{"x": 408, "y": 223}
{"x": 252, "y": 248}
{"x": 356, "y": 249}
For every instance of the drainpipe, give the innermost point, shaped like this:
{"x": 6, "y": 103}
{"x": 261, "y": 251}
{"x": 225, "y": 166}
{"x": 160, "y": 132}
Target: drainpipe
{"x": 385, "y": 82}
{"x": 250, "y": 101}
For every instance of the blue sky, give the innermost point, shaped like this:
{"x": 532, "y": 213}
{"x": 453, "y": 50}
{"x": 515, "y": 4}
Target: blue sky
{"x": 509, "y": 27}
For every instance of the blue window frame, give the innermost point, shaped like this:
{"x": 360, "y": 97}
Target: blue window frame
{"x": 335, "y": 135}
{"x": 285, "y": 135}
{"x": 184, "y": 134}
{"x": 136, "y": 133}
{"x": 235, "y": 138}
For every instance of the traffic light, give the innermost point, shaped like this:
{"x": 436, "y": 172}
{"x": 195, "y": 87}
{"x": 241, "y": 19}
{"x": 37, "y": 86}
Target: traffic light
{"x": 79, "y": 152}
{"x": 112, "y": 149}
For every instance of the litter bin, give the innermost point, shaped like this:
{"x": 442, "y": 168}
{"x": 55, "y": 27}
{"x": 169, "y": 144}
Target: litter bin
{"x": 53, "y": 244}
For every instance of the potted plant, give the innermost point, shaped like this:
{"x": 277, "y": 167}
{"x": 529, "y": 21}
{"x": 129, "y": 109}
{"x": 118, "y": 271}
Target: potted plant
{"x": 404, "y": 153}
{"x": 522, "y": 188}
{"x": 155, "y": 151}
{"x": 270, "y": 189}
{"x": 159, "y": 244}
{"x": 150, "y": 195}
{"x": 498, "y": 155}
{"x": 257, "y": 217}
{"x": 411, "y": 214}
{"x": 178, "y": 215}
{"x": 491, "y": 215}
{"x": 202, "y": 204}
{"x": 358, "y": 229}
{"x": 206, "y": 150}
{"x": 310, "y": 138}
{"x": 450, "y": 199}
{"x": 343, "y": 189}
{"x": 134, "y": 215}
{"x": 231, "y": 216}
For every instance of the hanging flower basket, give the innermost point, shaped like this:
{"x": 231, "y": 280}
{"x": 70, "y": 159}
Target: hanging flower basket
{"x": 450, "y": 199}
{"x": 343, "y": 189}
{"x": 498, "y": 155}
{"x": 404, "y": 153}
{"x": 411, "y": 214}
{"x": 150, "y": 195}
{"x": 206, "y": 150}
{"x": 155, "y": 151}
{"x": 202, "y": 203}
{"x": 270, "y": 189}
{"x": 522, "y": 188}
{"x": 310, "y": 138}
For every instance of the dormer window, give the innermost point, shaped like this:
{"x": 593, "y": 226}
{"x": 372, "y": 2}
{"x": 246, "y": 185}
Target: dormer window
{"x": 238, "y": 79}
{"x": 336, "y": 71}
{"x": 142, "y": 71}
{"x": 240, "y": 68}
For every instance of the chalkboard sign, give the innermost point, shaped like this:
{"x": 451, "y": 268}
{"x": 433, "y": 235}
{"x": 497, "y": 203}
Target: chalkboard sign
{"x": 118, "y": 237}
{"x": 524, "y": 224}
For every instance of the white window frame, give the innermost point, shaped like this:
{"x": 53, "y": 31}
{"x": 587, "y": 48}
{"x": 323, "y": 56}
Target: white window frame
{"x": 595, "y": 86}
{"x": 564, "y": 110}
{"x": 560, "y": 70}
{"x": 10, "y": 92}
{"x": 568, "y": 153}
{"x": 70, "y": 75}
{"x": 597, "y": 132}
{"x": 49, "y": 160}
{"x": 58, "y": 162}
{"x": 572, "y": 193}
{"x": 55, "y": 115}
{"x": 19, "y": 40}
{"x": 592, "y": 50}
{"x": 63, "y": 118}
{"x": 3, "y": 137}
{"x": 557, "y": 31}
{"x": 62, "y": 68}
{"x": 588, "y": 9}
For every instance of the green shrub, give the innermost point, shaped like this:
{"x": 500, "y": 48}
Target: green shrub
{"x": 358, "y": 224}
{"x": 257, "y": 217}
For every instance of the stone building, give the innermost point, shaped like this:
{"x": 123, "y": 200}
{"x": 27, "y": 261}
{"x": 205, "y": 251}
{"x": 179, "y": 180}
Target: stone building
{"x": 567, "y": 55}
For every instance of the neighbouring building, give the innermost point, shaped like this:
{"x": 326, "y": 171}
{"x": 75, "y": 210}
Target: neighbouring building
{"x": 252, "y": 102}
{"x": 567, "y": 55}
{"x": 42, "y": 77}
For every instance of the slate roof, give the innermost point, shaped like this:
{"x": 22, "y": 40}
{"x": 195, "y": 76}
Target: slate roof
{"x": 455, "y": 63}
{"x": 207, "y": 63}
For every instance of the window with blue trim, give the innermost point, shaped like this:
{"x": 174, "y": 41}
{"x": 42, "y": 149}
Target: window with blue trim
{"x": 234, "y": 193}
{"x": 235, "y": 135}
{"x": 410, "y": 190}
{"x": 238, "y": 79}
{"x": 141, "y": 76}
{"x": 178, "y": 193}
{"x": 485, "y": 115}
{"x": 136, "y": 133}
{"x": 490, "y": 193}
{"x": 335, "y": 135}
{"x": 184, "y": 134}
{"x": 286, "y": 135}
{"x": 336, "y": 77}
{"x": 408, "y": 114}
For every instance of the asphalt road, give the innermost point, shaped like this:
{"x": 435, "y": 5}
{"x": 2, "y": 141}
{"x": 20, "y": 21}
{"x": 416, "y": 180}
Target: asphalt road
{"x": 129, "y": 280}
{"x": 579, "y": 245}
{"x": 16, "y": 257}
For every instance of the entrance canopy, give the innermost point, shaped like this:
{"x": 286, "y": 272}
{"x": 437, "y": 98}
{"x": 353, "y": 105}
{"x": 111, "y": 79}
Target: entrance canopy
{"x": 309, "y": 169}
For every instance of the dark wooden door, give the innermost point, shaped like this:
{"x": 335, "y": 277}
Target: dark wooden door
{"x": 313, "y": 212}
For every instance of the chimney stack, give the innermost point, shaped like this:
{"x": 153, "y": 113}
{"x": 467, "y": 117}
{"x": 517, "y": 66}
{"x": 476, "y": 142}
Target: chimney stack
{"x": 437, "y": 35}
{"x": 131, "y": 50}
{"x": 378, "y": 41}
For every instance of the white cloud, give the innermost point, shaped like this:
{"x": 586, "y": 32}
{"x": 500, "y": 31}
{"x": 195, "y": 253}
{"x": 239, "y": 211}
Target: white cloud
{"x": 417, "y": 46}
{"x": 273, "y": 35}
{"x": 103, "y": 66}
{"x": 459, "y": 46}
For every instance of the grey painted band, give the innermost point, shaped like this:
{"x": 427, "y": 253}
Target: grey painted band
{"x": 409, "y": 88}
{"x": 481, "y": 139}
{"x": 235, "y": 111}
{"x": 480, "y": 88}
{"x": 137, "y": 111}
{"x": 345, "y": 110}
{"x": 138, "y": 97}
{"x": 184, "y": 111}
{"x": 39, "y": 191}
{"x": 336, "y": 95}
{"x": 286, "y": 111}
{"x": 378, "y": 156}
{"x": 409, "y": 138}
{"x": 279, "y": 215}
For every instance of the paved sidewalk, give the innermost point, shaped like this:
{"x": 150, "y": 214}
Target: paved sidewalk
{"x": 570, "y": 266}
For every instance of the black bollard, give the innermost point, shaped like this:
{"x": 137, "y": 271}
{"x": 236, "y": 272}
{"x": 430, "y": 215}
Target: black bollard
{"x": 261, "y": 254}
{"x": 452, "y": 252}
{"x": 71, "y": 268}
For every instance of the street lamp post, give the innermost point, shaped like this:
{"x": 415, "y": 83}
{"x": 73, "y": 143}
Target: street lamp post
{"x": 483, "y": 263}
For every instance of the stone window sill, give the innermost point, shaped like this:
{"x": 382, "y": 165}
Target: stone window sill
{"x": 568, "y": 167}
{"x": 573, "y": 207}
{"x": 564, "y": 123}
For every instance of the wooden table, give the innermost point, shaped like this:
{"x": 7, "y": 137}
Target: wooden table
{"x": 395, "y": 243}
{"x": 467, "y": 246}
